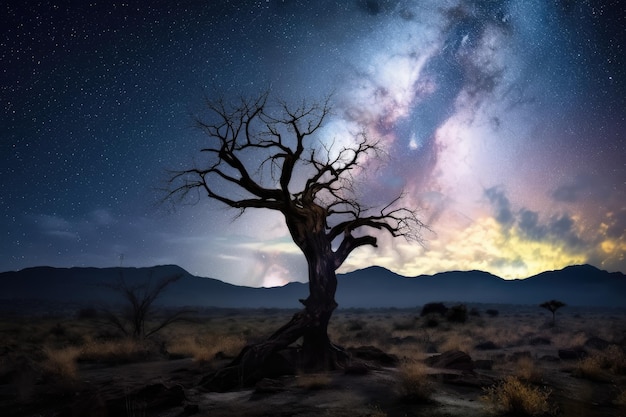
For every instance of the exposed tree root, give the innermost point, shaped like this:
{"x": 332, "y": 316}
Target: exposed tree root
{"x": 275, "y": 356}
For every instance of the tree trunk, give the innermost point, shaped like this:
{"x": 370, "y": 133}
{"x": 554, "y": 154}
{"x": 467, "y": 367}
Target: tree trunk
{"x": 318, "y": 351}
{"x": 311, "y": 325}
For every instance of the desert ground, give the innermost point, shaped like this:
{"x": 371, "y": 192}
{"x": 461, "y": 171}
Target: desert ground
{"x": 481, "y": 360}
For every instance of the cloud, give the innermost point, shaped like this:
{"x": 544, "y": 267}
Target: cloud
{"x": 580, "y": 188}
{"x": 501, "y": 205}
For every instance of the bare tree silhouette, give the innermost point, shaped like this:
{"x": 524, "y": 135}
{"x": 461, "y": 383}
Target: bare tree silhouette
{"x": 263, "y": 156}
{"x": 552, "y": 306}
{"x": 138, "y": 311}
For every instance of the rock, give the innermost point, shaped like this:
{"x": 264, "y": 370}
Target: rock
{"x": 489, "y": 345}
{"x": 549, "y": 358}
{"x": 596, "y": 343}
{"x": 403, "y": 340}
{"x": 484, "y": 364}
{"x": 453, "y": 359}
{"x": 515, "y": 356}
{"x": 572, "y": 354}
{"x": 539, "y": 341}
{"x": 356, "y": 368}
{"x": 373, "y": 354}
{"x": 269, "y": 386}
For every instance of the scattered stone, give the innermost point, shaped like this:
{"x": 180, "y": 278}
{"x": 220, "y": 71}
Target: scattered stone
{"x": 515, "y": 356}
{"x": 549, "y": 358}
{"x": 540, "y": 341}
{"x": 596, "y": 343}
{"x": 572, "y": 354}
{"x": 453, "y": 359}
{"x": 269, "y": 386}
{"x": 373, "y": 354}
{"x": 484, "y": 364}
{"x": 489, "y": 345}
{"x": 403, "y": 340}
{"x": 356, "y": 368}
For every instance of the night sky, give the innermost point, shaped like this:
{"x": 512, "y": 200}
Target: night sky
{"x": 503, "y": 121}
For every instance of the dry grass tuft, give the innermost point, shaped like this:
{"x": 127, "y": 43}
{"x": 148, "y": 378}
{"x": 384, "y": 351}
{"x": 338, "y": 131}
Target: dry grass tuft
{"x": 313, "y": 381}
{"x": 204, "y": 348}
{"x": 528, "y": 371}
{"x": 596, "y": 365}
{"x": 514, "y": 397}
{"x": 62, "y": 362}
{"x": 113, "y": 351}
{"x": 414, "y": 383}
{"x": 456, "y": 341}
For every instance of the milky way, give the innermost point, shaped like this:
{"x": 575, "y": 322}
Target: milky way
{"x": 503, "y": 122}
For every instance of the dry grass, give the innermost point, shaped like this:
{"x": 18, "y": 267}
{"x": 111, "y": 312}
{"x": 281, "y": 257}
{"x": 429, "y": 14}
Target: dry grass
{"x": 596, "y": 366}
{"x": 113, "y": 351}
{"x": 414, "y": 383}
{"x": 61, "y": 362}
{"x": 513, "y": 397}
{"x": 457, "y": 341}
{"x": 313, "y": 381}
{"x": 204, "y": 348}
{"x": 527, "y": 370}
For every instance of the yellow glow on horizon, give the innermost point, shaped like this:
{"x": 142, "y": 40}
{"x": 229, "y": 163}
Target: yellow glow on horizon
{"x": 484, "y": 246}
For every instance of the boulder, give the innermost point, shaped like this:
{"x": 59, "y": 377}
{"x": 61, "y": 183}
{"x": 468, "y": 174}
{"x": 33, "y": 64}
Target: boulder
{"x": 572, "y": 354}
{"x": 373, "y": 354}
{"x": 453, "y": 359}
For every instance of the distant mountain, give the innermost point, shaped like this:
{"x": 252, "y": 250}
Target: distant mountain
{"x": 582, "y": 285}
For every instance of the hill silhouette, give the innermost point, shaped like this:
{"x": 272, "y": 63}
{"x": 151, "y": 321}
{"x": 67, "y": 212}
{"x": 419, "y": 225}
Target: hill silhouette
{"x": 374, "y": 287}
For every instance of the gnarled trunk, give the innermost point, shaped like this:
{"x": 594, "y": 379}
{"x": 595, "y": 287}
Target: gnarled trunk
{"x": 311, "y": 325}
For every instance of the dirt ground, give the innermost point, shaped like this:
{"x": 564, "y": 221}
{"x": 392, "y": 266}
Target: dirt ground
{"x": 517, "y": 342}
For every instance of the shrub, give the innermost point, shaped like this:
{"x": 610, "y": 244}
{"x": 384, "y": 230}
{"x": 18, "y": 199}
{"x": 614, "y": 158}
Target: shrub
{"x": 414, "y": 385}
{"x": 61, "y": 362}
{"x": 492, "y": 312}
{"x": 205, "y": 348}
{"x": 457, "y": 314}
{"x": 408, "y": 324}
{"x": 593, "y": 367}
{"x": 514, "y": 397}
{"x": 528, "y": 371}
{"x": 431, "y": 321}
{"x": 434, "y": 308}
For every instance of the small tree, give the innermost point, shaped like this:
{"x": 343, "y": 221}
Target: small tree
{"x": 552, "y": 306}
{"x": 138, "y": 309}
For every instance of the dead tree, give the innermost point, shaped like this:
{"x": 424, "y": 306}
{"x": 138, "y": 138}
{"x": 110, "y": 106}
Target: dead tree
{"x": 262, "y": 156}
{"x": 138, "y": 308}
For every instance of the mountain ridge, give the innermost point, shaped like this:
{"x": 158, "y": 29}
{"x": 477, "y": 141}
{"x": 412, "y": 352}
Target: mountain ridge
{"x": 374, "y": 287}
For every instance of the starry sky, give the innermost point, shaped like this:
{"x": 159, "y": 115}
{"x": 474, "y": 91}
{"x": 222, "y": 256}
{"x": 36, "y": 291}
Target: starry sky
{"x": 502, "y": 121}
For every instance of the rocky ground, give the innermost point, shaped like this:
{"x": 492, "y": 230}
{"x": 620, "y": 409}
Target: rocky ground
{"x": 409, "y": 375}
